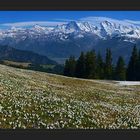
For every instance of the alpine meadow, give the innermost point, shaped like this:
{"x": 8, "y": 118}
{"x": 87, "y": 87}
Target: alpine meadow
{"x": 81, "y": 72}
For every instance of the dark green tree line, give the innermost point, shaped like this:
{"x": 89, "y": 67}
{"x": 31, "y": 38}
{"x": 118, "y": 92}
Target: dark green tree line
{"x": 92, "y": 66}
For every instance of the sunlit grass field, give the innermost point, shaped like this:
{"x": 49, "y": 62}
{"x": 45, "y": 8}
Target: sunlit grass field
{"x": 31, "y": 99}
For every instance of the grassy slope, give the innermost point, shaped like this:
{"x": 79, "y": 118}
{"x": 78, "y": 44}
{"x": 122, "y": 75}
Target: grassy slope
{"x": 13, "y": 63}
{"x": 30, "y": 99}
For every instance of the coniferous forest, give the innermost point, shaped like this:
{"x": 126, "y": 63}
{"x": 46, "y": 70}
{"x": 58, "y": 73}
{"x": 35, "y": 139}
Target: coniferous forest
{"x": 90, "y": 65}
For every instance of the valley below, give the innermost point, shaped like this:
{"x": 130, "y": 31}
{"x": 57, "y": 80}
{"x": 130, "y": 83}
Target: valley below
{"x": 31, "y": 99}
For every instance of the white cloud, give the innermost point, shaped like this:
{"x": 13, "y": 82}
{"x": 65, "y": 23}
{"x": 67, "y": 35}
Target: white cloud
{"x": 133, "y": 21}
{"x": 97, "y": 20}
{"x": 92, "y": 19}
{"x": 31, "y": 23}
{"x": 64, "y": 20}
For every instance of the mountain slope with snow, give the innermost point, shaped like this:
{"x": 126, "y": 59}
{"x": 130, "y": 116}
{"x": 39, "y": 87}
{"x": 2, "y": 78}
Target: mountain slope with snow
{"x": 101, "y": 27}
{"x": 61, "y": 41}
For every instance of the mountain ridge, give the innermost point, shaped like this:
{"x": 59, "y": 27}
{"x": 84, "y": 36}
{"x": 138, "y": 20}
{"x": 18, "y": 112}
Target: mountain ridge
{"x": 71, "y": 38}
{"x": 12, "y": 54}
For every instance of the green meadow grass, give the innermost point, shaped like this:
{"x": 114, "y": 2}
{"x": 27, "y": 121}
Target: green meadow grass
{"x": 30, "y": 99}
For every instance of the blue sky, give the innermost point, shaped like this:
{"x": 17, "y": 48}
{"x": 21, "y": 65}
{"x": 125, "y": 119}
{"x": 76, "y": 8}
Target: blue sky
{"x": 21, "y": 18}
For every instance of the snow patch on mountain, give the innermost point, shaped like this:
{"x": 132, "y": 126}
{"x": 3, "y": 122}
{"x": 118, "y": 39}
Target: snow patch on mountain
{"x": 102, "y": 27}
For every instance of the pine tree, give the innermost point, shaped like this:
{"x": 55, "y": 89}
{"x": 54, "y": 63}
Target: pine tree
{"x": 72, "y": 63}
{"x": 132, "y": 66}
{"x": 108, "y": 71}
{"x": 138, "y": 68}
{"x": 80, "y": 67}
{"x": 100, "y": 67}
{"x": 69, "y": 69}
{"x": 120, "y": 70}
{"x": 66, "y": 68}
{"x": 90, "y": 64}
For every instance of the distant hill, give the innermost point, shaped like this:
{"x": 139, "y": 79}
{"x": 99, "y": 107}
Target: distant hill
{"x": 12, "y": 54}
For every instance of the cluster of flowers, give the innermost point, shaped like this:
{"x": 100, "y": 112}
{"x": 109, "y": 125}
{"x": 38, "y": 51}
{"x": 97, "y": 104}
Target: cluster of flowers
{"x": 29, "y": 101}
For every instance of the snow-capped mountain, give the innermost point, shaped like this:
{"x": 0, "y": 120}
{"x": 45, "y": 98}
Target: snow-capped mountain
{"x": 71, "y": 38}
{"x": 102, "y": 29}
